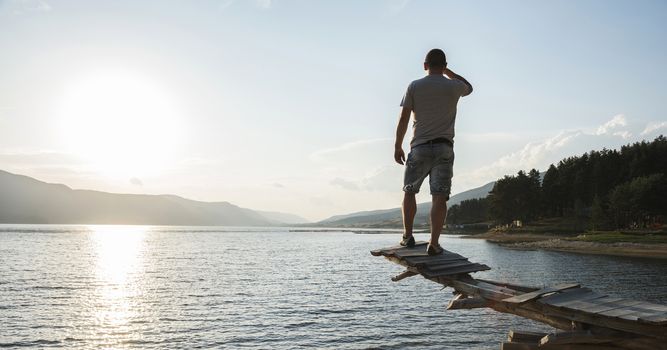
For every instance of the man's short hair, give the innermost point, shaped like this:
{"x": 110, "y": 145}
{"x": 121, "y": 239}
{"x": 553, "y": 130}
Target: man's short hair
{"x": 436, "y": 59}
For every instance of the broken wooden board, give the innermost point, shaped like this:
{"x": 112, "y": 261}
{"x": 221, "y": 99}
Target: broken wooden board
{"x": 568, "y": 307}
{"x": 431, "y": 266}
{"x": 584, "y": 300}
{"x": 538, "y": 293}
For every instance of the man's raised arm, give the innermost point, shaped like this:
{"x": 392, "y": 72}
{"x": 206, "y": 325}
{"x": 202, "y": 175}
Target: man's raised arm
{"x": 401, "y": 129}
{"x": 455, "y": 76}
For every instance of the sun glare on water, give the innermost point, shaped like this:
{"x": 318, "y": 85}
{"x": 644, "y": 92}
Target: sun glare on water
{"x": 121, "y": 123}
{"x": 119, "y": 254}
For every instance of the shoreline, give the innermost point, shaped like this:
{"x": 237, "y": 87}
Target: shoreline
{"x": 531, "y": 241}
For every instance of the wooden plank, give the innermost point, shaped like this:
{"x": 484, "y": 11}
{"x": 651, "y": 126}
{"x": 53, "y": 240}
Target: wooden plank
{"x": 569, "y": 296}
{"x": 529, "y": 346}
{"x": 419, "y": 250}
{"x": 656, "y": 319}
{"x": 598, "y": 320}
{"x": 457, "y": 270}
{"x": 422, "y": 254}
{"x": 634, "y": 316}
{"x": 558, "y": 317}
{"x": 518, "y": 346}
{"x": 538, "y": 293}
{"x": 619, "y": 305}
{"x": 525, "y": 336}
{"x": 404, "y": 274}
{"x": 587, "y": 301}
{"x": 446, "y": 265}
{"x": 517, "y": 287}
{"x": 460, "y": 302}
{"x": 421, "y": 260}
{"x": 576, "y": 337}
{"x": 627, "y": 310}
{"x": 657, "y": 308}
{"x": 600, "y": 304}
{"x": 392, "y": 250}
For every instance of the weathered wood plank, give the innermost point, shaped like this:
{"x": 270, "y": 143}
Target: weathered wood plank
{"x": 628, "y": 311}
{"x": 570, "y": 296}
{"x": 525, "y": 336}
{"x": 420, "y": 245}
{"x": 455, "y": 270}
{"x": 421, "y": 252}
{"x": 472, "y": 287}
{"x": 535, "y": 346}
{"x": 404, "y": 274}
{"x": 617, "y": 305}
{"x": 576, "y": 337}
{"x": 445, "y": 265}
{"x": 570, "y": 310}
{"x": 600, "y": 304}
{"x": 421, "y": 260}
{"x": 460, "y": 302}
{"x": 603, "y": 321}
{"x": 518, "y": 346}
{"x": 659, "y": 319}
{"x": 588, "y": 301}
{"x": 657, "y": 308}
{"x": 538, "y": 293}
{"x": 520, "y": 288}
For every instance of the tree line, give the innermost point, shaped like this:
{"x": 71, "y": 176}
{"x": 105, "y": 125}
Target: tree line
{"x": 607, "y": 189}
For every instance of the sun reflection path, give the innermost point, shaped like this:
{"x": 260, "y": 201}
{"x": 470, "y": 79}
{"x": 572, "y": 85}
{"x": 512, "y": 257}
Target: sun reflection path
{"x": 119, "y": 257}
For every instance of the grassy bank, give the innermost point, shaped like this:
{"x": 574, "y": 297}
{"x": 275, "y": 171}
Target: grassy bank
{"x": 621, "y": 243}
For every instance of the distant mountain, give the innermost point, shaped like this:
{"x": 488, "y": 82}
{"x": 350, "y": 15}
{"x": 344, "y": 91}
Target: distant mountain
{"x": 27, "y": 200}
{"x": 393, "y": 217}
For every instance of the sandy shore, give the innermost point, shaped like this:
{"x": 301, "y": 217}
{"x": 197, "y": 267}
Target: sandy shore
{"x": 552, "y": 242}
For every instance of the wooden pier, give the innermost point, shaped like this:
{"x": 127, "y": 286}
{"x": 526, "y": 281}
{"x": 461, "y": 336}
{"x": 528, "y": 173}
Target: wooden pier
{"x": 588, "y": 320}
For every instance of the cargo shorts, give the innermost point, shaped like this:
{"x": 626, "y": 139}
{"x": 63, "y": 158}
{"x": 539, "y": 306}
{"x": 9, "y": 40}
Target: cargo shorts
{"x": 436, "y": 161}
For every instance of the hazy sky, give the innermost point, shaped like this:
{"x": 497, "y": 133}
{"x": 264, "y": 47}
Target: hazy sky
{"x": 292, "y": 105}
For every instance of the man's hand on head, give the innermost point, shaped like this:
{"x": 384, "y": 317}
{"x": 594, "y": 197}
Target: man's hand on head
{"x": 399, "y": 155}
{"x": 455, "y": 76}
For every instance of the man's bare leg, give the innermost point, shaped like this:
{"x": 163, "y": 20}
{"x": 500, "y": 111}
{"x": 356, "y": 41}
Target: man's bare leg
{"x": 409, "y": 212}
{"x": 438, "y": 215}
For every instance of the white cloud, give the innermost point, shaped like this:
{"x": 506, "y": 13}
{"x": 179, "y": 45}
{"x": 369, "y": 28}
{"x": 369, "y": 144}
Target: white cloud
{"x": 540, "y": 154}
{"x": 615, "y": 122}
{"x": 653, "y": 127}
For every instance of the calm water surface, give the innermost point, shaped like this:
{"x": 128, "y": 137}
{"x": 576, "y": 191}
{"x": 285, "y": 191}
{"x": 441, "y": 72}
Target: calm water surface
{"x": 186, "y": 287}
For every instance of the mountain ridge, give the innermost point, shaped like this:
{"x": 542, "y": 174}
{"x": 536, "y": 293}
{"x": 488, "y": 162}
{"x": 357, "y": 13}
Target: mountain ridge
{"x": 31, "y": 201}
{"x": 393, "y": 216}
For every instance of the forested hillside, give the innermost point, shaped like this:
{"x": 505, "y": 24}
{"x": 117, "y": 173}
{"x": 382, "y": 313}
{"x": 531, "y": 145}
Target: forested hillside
{"x": 608, "y": 189}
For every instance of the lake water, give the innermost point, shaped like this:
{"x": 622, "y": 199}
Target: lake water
{"x": 194, "y": 287}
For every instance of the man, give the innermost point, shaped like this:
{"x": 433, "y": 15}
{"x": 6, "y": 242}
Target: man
{"x": 432, "y": 100}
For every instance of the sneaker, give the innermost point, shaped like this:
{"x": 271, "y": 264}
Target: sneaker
{"x": 408, "y": 241}
{"x": 434, "y": 249}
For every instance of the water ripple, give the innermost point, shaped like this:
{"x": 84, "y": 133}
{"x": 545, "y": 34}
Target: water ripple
{"x": 180, "y": 287}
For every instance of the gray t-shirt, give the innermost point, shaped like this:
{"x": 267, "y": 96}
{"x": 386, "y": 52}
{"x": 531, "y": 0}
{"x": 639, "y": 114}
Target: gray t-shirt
{"x": 433, "y": 100}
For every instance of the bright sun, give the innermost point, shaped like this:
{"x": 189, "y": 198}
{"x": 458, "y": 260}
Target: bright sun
{"x": 121, "y": 123}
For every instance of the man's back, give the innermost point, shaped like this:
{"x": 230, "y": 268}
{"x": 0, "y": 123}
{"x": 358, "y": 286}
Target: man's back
{"x": 433, "y": 100}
